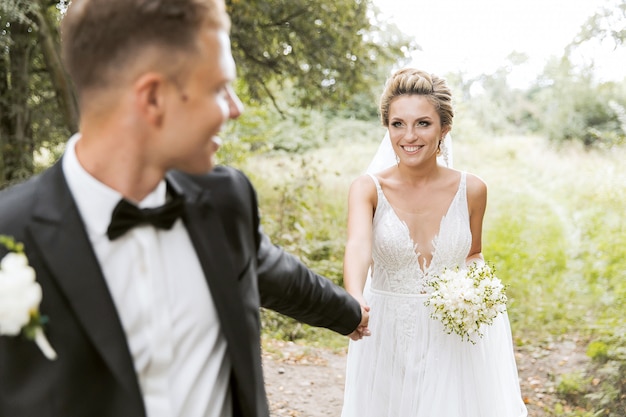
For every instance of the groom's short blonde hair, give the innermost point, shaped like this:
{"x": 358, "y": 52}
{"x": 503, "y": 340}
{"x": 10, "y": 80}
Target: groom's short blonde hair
{"x": 101, "y": 39}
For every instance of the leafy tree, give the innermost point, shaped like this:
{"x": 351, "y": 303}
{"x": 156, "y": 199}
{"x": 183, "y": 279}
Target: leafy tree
{"x": 327, "y": 52}
{"x": 37, "y": 105}
{"x": 572, "y": 105}
{"x": 328, "y": 49}
{"x": 490, "y": 102}
{"x": 608, "y": 22}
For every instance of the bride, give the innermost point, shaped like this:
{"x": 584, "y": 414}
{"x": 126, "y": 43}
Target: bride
{"x": 409, "y": 218}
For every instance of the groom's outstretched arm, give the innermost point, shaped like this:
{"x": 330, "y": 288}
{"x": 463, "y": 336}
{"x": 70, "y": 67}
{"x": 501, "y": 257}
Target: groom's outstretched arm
{"x": 287, "y": 286}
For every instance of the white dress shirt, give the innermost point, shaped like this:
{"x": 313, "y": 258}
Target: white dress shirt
{"x": 163, "y": 300}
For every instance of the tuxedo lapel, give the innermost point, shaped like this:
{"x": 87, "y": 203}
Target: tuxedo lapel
{"x": 64, "y": 245}
{"x": 207, "y": 234}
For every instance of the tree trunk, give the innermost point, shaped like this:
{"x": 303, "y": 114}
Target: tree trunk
{"x": 51, "y": 50}
{"x": 15, "y": 129}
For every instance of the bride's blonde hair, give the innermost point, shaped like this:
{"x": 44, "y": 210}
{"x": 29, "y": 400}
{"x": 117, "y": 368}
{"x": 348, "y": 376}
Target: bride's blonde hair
{"x": 410, "y": 81}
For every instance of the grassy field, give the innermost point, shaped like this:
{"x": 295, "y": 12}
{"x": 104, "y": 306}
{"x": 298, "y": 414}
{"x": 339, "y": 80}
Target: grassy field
{"x": 554, "y": 229}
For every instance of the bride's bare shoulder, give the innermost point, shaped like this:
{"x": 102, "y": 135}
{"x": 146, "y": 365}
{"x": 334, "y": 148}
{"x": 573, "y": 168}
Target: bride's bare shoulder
{"x": 476, "y": 187}
{"x": 363, "y": 189}
{"x": 364, "y": 183}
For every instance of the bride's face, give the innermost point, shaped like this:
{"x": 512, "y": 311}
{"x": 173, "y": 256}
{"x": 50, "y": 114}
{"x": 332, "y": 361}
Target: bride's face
{"x": 415, "y": 129}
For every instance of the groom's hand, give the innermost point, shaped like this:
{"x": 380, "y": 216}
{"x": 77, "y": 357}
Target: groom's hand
{"x": 362, "y": 330}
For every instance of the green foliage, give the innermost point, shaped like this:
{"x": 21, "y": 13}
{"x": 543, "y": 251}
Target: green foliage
{"x": 326, "y": 50}
{"x": 566, "y": 103}
{"x": 572, "y": 386}
{"x": 565, "y": 411}
{"x": 15, "y": 11}
{"x": 327, "y": 55}
{"x": 537, "y": 303}
{"x": 251, "y": 134}
{"x": 497, "y": 108}
{"x": 609, "y": 369}
{"x": 574, "y": 107}
{"x": 302, "y": 223}
{"x": 264, "y": 129}
{"x": 31, "y": 116}
{"x": 303, "y": 205}
{"x": 598, "y": 351}
{"x": 298, "y": 209}
{"x": 528, "y": 234}
{"x": 305, "y": 131}
{"x": 608, "y": 22}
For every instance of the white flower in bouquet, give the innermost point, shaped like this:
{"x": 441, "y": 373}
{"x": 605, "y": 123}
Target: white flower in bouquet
{"x": 20, "y": 296}
{"x": 466, "y": 299}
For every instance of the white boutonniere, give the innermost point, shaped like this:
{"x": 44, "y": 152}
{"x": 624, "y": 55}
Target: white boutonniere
{"x": 20, "y": 296}
{"x": 466, "y": 299}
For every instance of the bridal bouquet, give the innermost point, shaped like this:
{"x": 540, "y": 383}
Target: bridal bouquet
{"x": 20, "y": 296}
{"x": 466, "y": 299}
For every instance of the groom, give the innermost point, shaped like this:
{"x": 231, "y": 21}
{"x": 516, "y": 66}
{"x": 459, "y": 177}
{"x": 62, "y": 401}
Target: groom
{"x": 152, "y": 311}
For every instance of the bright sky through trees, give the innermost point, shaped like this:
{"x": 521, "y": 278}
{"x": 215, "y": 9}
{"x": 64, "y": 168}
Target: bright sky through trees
{"x": 476, "y": 36}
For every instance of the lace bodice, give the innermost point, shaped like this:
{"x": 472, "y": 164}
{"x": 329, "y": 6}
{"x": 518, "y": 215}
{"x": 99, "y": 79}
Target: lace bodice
{"x": 395, "y": 266}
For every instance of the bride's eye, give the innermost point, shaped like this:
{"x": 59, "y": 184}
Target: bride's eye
{"x": 396, "y": 124}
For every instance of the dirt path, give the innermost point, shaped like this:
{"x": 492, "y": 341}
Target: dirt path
{"x": 308, "y": 382}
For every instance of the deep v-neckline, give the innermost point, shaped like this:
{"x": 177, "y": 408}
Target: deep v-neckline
{"x": 416, "y": 252}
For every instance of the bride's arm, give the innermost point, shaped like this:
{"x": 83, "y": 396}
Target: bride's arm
{"x": 362, "y": 199}
{"x": 477, "y": 203}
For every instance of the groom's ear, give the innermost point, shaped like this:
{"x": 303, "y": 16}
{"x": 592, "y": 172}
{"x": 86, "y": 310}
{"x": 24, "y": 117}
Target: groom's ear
{"x": 151, "y": 93}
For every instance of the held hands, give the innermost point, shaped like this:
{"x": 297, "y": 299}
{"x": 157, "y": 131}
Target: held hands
{"x": 362, "y": 330}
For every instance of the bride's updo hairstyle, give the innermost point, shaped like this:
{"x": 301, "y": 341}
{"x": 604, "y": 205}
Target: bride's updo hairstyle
{"x": 409, "y": 81}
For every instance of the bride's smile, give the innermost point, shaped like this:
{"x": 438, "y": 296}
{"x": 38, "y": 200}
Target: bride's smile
{"x": 414, "y": 128}
{"x": 412, "y": 149}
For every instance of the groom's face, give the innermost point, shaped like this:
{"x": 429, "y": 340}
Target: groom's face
{"x": 204, "y": 104}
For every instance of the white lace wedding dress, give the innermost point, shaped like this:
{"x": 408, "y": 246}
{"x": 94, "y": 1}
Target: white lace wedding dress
{"x": 409, "y": 367}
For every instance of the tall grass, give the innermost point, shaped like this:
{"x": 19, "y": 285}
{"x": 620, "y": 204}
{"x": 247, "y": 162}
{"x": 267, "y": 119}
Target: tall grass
{"x": 303, "y": 203}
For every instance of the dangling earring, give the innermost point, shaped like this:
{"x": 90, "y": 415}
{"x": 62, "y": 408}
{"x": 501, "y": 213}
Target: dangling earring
{"x": 443, "y": 151}
{"x": 397, "y": 160}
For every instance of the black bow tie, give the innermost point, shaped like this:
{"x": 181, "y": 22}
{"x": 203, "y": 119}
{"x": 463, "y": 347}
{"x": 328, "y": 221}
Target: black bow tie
{"x": 127, "y": 215}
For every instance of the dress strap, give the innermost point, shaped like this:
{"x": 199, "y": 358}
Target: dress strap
{"x": 462, "y": 183}
{"x": 378, "y": 187}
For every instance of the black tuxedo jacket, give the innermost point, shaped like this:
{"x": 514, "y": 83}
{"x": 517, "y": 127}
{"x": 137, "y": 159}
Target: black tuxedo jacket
{"x": 94, "y": 373}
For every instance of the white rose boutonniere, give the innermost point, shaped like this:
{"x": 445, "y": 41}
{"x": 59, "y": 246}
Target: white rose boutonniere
{"x": 20, "y": 296}
{"x": 466, "y": 299}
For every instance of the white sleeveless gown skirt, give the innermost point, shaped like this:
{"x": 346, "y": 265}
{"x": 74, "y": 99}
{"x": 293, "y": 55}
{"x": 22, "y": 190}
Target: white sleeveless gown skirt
{"x": 409, "y": 366}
